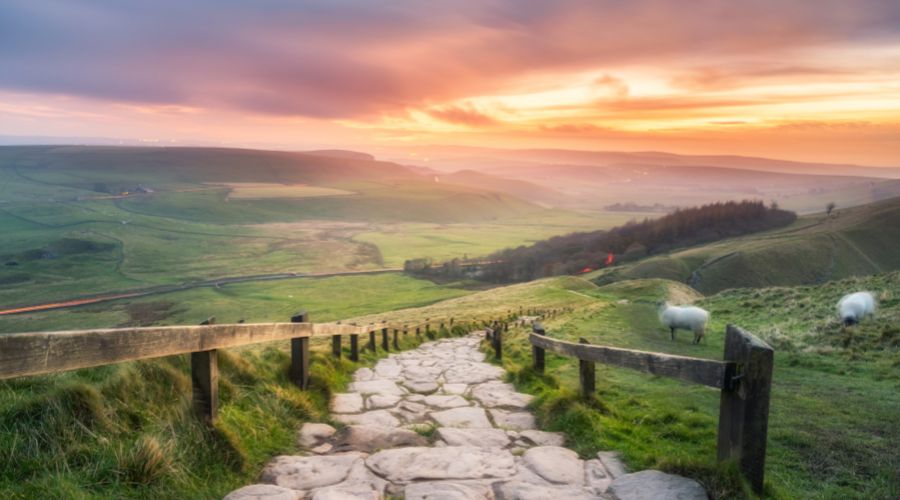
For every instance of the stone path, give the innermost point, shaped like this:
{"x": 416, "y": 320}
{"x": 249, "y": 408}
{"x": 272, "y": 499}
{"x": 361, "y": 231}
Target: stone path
{"x": 437, "y": 422}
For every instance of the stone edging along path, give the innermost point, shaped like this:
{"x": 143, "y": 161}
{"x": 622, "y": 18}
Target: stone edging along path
{"x": 475, "y": 440}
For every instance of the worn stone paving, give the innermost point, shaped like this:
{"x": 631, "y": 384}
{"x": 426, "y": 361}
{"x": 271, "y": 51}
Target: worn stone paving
{"x": 437, "y": 422}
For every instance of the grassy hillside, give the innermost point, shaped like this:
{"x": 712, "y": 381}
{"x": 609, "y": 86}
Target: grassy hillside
{"x": 815, "y": 249}
{"x": 817, "y": 448}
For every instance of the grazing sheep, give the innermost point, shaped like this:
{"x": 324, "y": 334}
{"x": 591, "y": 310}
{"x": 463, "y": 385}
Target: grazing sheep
{"x": 854, "y": 307}
{"x": 689, "y": 318}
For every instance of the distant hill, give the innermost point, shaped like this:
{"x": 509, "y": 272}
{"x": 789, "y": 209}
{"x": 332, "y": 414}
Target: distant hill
{"x": 523, "y": 189}
{"x": 818, "y": 248}
{"x": 443, "y": 155}
{"x": 194, "y": 184}
{"x": 593, "y": 180}
{"x": 341, "y": 153}
{"x": 198, "y": 165}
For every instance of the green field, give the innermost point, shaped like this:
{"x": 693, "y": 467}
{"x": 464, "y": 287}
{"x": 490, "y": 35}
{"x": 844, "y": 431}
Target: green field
{"x": 80, "y": 221}
{"x": 398, "y": 242}
{"x": 326, "y": 298}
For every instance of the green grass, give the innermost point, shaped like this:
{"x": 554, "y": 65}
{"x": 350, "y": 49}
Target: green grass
{"x": 325, "y": 298}
{"x": 832, "y": 431}
{"x": 399, "y": 242}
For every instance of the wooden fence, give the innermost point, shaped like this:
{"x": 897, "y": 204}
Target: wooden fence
{"x": 27, "y": 354}
{"x": 744, "y": 379}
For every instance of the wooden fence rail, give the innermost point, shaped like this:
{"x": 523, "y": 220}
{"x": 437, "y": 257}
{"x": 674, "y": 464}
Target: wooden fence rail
{"x": 744, "y": 378}
{"x": 28, "y": 354}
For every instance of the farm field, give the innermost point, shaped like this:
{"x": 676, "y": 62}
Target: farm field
{"x": 270, "y": 301}
{"x": 398, "y": 242}
{"x": 77, "y": 222}
{"x": 257, "y": 190}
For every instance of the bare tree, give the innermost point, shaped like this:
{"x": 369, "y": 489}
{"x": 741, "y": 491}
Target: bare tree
{"x": 830, "y": 207}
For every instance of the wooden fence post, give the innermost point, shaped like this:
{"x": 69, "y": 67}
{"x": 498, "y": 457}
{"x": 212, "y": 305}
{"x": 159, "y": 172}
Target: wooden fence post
{"x": 417, "y": 331}
{"x": 371, "y": 338}
{"x": 396, "y": 340}
{"x": 587, "y": 374}
{"x": 498, "y": 343}
{"x": 537, "y": 353}
{"x": 336, "y": 346}
{"x": 354, "y": 346}
{"x": 744, "y": 404}
{"x": 299, "y": 372}
{"x": 385, "y": 343}
{"x": 205, "y": 382}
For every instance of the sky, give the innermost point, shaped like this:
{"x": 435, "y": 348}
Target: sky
{"x": 814, "y": 80}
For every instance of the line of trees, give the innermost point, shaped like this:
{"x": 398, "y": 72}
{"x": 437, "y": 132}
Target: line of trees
{"x": 578, "y": 252}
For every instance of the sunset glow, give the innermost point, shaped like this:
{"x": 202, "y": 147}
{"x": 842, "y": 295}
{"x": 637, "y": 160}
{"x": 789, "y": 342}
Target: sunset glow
{"x": 816, "y": 80}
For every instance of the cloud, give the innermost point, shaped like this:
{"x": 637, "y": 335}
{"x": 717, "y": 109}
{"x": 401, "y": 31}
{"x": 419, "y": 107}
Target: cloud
{"x": 616, "y": 86}
{"x": 459, "y": 115}
{"x": 354, "y": 58}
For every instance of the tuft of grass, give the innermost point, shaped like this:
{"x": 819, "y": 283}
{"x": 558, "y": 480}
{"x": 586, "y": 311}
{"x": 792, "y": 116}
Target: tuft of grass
{"x": 146, "y": 462}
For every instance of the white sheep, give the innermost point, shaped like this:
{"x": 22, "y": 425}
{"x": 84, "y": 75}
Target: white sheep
{"x": 854, "y": 307}
{"x": 686, "y": 317}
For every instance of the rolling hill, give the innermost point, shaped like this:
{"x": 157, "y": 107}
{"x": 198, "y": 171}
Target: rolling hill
{"x": 592, "y": 180}
{"x": 815, "y": 249}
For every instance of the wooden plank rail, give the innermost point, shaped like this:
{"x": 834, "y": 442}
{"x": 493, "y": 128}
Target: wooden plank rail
{"x": 28, "y": 354}
{"x": 744, "y": 378}
{"x": 700, "y": 371}
{"x": 23, "y": 354}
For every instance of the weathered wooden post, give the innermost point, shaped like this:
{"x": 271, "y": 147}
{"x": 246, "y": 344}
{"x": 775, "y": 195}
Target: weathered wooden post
{"x": 396, "y": 339}
{"x": 586, "y": 372}
{"x": 537, "y": 353}
{"x": 205, "y": 382}
{"x": 299, "y": 372}
{"x": 354, "y": 345}
{"x": 385, "y": 343}
{"x": 417, "y": 332}
{"x": 372, "y": 337}
{"x": 427, "y": 326}
{"x": 744, "y": 404}
{"x": 336, "y": 344}
{"x": 498, "y": 342}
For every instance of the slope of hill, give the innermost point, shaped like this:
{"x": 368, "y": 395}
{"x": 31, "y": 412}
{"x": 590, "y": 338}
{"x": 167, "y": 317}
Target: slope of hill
{"x": 815, "y": 249}
{"x": 518, "y": 188}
